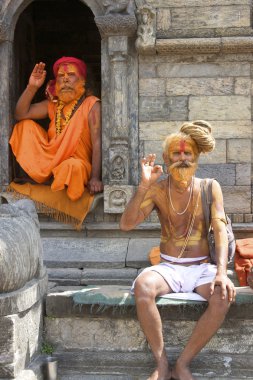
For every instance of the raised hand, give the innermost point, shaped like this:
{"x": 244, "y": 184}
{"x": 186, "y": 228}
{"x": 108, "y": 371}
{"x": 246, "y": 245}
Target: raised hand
{"x": 150, "y": 171}
{"x": 38, "y": 75}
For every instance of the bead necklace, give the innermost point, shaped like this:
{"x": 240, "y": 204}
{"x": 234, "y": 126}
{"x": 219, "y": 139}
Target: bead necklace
{"x": 170, "y": 198}
{"x": 59, "y": 125}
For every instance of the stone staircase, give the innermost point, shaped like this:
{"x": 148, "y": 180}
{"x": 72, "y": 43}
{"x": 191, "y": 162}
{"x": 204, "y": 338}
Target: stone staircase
{"x": 101, "y": 341}
{"x": 94, "y": 342}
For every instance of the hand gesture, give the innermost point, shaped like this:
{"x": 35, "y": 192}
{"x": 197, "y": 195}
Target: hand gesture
{"x": 226, "y": 285}
{"x": 38, "y": 75}
{"x": 150, "y": 171}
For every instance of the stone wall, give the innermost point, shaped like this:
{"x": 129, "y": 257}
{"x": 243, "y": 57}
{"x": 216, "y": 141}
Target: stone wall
{"x": 201, "y": 68}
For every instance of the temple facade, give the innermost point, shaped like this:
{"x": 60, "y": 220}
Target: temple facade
{"x": 155, "y": 64}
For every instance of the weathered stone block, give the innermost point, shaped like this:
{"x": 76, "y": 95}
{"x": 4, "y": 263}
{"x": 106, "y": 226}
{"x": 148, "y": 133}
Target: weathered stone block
{"x": 237, "y": 199}
{"x": 205, "y": 69}
{"x": 220, "y": 108}
{"x": 159, "y": 108}
{"x": 158, "y": 130}
{"x": 191, "y": 3}
{"x": 147, "y": 70}
{"x": 239, "y": 150}
{"x": 199, "y": 86}
{"x": 152, "y": 87}
{"x": 242, "y": 86}
{"x": 138, "y": 250}
{"x": 223, "y": 173}
{"x": 163, "y": 21}
{"x": 95, "y": 333}
{"x": 210, "y": 17}
{"x": 217, "y": 156}
{"x": 243, "y": 174}
{"x": 23, "y": 336}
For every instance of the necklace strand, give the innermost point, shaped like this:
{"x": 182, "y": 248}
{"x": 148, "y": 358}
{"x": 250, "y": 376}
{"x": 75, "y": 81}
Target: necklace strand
{"x": 190, "y": 228}
{"x": 60, "y": 105}
{"x": 170, "y": 198}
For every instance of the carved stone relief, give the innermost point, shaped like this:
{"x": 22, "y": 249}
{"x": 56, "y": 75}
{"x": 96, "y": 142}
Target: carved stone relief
{"x": 118, "y": 163}
{"x": 116, "y": 197}
{"x": 119, "y": 18}
{"x": 146, "y": 33}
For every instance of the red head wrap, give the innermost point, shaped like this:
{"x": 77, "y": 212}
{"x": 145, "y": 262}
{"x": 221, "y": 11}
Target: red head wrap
{"x": 75, "y": 61}
{"x": 82, "y": 68}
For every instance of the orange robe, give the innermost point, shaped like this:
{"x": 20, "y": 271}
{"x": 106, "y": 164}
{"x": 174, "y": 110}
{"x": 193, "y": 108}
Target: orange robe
{"x": 67, "y": 157}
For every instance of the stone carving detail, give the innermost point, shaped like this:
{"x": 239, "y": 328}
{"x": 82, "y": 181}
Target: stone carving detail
{"x": 20, "y": 245}
{"x": 119, "y": 18}
{"x": 146, "y": 39}
{"x": 119, "y": 6}
{"x": 118, "y": 171}
{"x": 116, "y": 198}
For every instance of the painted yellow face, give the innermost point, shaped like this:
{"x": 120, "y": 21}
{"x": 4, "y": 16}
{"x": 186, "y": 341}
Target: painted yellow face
{"x": 69, "y": 83}
{"x": 182, "y": 160}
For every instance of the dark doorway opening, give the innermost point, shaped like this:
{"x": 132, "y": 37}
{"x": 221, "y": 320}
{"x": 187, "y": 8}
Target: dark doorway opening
{"x": 48, "y": 30}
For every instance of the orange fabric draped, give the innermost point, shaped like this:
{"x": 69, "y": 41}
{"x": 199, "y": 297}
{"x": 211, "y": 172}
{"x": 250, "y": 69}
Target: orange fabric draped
{"x": 67, "y": 156}
{"x": 243, "y": 259}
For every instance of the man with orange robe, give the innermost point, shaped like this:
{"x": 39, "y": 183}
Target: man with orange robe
{"x": 68, "y": 155}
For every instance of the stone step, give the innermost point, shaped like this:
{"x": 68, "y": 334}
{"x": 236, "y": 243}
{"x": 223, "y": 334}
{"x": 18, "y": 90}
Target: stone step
{"x": 101, "y": 338}
{"x": 86, "y": 365}
{"x": 50, "y": 228}
{"x": 72, "y": 261}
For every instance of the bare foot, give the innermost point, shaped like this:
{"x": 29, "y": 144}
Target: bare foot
{"x": 161, "y": 374}
{"x": 180, "y": 372}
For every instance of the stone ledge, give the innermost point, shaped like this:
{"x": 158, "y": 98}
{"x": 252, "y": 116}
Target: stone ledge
{"x": 115, "y": 301}
{"x": 226, "y": 45}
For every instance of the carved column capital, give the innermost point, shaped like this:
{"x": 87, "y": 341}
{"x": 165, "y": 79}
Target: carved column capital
{"x": 116, "y": 25}
{"x": 146, "y": 32}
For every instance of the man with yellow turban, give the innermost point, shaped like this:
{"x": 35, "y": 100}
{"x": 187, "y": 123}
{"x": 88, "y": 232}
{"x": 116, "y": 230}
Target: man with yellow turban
{"x": 63, "y": 163}
{"x": 184, "y": 253}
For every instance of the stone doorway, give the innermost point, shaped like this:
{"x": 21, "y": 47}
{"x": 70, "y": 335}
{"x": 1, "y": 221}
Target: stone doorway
{"x": 101, "y": 33}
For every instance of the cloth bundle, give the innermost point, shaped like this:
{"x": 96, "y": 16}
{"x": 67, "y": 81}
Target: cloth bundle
{"x": 243, "y": 259}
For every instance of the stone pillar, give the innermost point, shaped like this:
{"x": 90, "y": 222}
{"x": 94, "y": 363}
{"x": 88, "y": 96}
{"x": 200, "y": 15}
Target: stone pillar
{"x": 5, "y": 78}
{"x": 120, "y": 104}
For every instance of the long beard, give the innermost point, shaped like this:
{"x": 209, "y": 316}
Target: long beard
{"x": 182, "y": 172}
{"x": 67, "y": 93}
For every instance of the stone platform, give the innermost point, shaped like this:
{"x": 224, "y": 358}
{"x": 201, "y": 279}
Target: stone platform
{"x": 104, "y": 341}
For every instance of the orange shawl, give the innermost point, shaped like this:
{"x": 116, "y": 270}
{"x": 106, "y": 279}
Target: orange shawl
{"x": 66, "y": 156}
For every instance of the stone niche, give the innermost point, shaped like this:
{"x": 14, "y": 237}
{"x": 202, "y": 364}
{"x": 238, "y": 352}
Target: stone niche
{"x": 117, "y": 25}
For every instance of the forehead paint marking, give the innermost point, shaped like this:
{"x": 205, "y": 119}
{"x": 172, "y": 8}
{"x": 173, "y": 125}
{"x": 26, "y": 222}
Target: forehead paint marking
{"x": 182, "y": 146}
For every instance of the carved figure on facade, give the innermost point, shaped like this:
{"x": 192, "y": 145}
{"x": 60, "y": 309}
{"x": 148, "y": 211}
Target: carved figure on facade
{"x": 117, "y": 198}
{"x": 119, "y": 6}
{"x": 118, "y": 168}
{"x": 20, "y": 245}
{"x": 145, "y": 42}
{"x": 119, "y": 18}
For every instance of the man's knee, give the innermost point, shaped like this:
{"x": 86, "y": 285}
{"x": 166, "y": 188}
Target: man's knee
{"x": 145, "y": 287}
{"x": 217, "y": 304}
